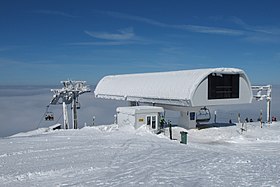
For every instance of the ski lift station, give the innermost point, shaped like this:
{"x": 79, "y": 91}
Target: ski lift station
{"x": 188, "y": 92}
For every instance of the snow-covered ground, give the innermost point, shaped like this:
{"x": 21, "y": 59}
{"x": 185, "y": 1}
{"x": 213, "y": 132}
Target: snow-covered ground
{"x": 122, "y": 156}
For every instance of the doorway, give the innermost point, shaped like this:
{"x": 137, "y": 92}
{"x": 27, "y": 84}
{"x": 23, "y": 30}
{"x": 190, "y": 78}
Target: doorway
{"x": 152, "y": 121}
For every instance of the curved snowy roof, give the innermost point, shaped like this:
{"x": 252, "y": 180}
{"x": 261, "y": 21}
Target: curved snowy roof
{"x": 175, "y": 87}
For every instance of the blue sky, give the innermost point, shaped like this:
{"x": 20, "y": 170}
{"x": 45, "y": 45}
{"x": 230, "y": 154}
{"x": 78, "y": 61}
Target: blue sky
{"x": 43, "y": 42}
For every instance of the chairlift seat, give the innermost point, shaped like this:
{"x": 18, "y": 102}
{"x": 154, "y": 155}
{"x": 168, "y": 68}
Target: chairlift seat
{"x": 78, "y": 105}
{"x": 49, "y": 116}
{"x": 203, "y": 115}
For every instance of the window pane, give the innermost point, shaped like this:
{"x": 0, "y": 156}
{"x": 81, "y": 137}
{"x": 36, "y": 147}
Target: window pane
{"x": 223, "y": 86}
{"x": 153, "y": 122}
{"x": 192, "y": 115}
{"x": 148, "y": 120}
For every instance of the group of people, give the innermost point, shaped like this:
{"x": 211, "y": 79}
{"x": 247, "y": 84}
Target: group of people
{"x": 49, "y": 117}
{"x": 272, "y": 119}
{"x": 251, "y": 120}
{"x": 247, "y": 120}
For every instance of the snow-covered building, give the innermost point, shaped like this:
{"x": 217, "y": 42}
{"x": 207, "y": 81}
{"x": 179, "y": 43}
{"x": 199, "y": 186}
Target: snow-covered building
{"x": 140, "y": 115}
{"x": 186, "y": 91}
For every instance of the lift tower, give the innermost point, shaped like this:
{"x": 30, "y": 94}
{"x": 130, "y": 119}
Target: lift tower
{"x": 69, "y": 94}
{"x": 259, "y": 96}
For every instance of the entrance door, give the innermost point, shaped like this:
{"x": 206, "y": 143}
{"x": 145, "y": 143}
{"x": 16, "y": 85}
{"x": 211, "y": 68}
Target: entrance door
{"x": 152, "y": 121}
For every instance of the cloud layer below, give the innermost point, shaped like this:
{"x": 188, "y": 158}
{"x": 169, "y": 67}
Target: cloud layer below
{"x": 23, "y": 108}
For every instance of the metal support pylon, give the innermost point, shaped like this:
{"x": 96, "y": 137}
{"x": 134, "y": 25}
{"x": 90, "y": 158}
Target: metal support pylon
{"x": 69, "y": 95}
{"x": 259, "y": 96}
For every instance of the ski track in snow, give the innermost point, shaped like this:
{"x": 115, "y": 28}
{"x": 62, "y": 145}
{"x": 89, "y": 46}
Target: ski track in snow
{"x": 122, "y": 156}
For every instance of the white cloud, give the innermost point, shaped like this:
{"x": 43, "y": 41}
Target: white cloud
{"x": 132, "y": 17}
{"x": 122, "y": 34}
{"x": 105, "y": 43}
{"x": 262, "y": 38}
{"x": 257, "y": 29}
{"x": 187, "y": 27}
{"x": 255, "y": 34}
{"x": 55, "y": 13}
{"x": 258, "y": 34}
{"x": 210, "y": 30}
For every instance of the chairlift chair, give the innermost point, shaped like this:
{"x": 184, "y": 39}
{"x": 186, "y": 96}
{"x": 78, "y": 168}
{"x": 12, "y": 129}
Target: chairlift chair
{"x": 78, "y": 105}
{"x": 203, "y": 115}
{"x": 49, "y": 116}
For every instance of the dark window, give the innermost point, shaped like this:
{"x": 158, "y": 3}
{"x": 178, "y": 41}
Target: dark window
{"x": 148, "y": 120}
{"x": 223, "y": 86}
{"x": 192, "y": 115}
{"x": 153, "y": 122}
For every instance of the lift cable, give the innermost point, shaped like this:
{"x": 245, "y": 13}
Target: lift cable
{"x": 59, "y": 117}
{"x": 47, "y": 109}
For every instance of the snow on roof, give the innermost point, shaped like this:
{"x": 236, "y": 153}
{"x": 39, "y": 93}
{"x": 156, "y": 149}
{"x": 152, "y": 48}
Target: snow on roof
{"x": 174, "y": 85}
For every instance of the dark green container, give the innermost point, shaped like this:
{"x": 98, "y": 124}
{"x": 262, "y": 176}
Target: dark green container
{"x": 184, "y": 137}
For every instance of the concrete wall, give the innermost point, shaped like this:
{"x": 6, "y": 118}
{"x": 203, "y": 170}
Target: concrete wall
{"x": 185, "y": 118}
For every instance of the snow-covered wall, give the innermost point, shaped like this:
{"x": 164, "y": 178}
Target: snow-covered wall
{"x": 182, "y": 88}
{"x": 137, "y": 115}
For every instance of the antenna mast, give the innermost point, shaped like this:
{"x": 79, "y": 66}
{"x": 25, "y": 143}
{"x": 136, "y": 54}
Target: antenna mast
{"x": 69, "y": 95}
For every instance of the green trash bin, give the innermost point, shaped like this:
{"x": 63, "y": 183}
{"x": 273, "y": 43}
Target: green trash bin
{"x": 184, "y": 137}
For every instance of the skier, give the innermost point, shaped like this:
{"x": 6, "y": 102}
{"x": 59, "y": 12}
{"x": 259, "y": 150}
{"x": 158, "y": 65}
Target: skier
{"x": 162, "y": 122}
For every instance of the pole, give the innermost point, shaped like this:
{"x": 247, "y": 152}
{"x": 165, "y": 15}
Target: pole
{"x": 261, "y": 118}
{"x": 215, "y": 119}
{"x": 65, "y": 116}
{"x": 75, "y": 116}
{"x": 170, "y": 129}
{"x": 268, "y": 99}
{"x": 74, "y": 113}
{"x": 268, "y": 110}
{"x": 239, "y": 121}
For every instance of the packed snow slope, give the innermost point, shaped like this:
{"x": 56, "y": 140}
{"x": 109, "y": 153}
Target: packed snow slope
{"x": 122, "y": 156}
